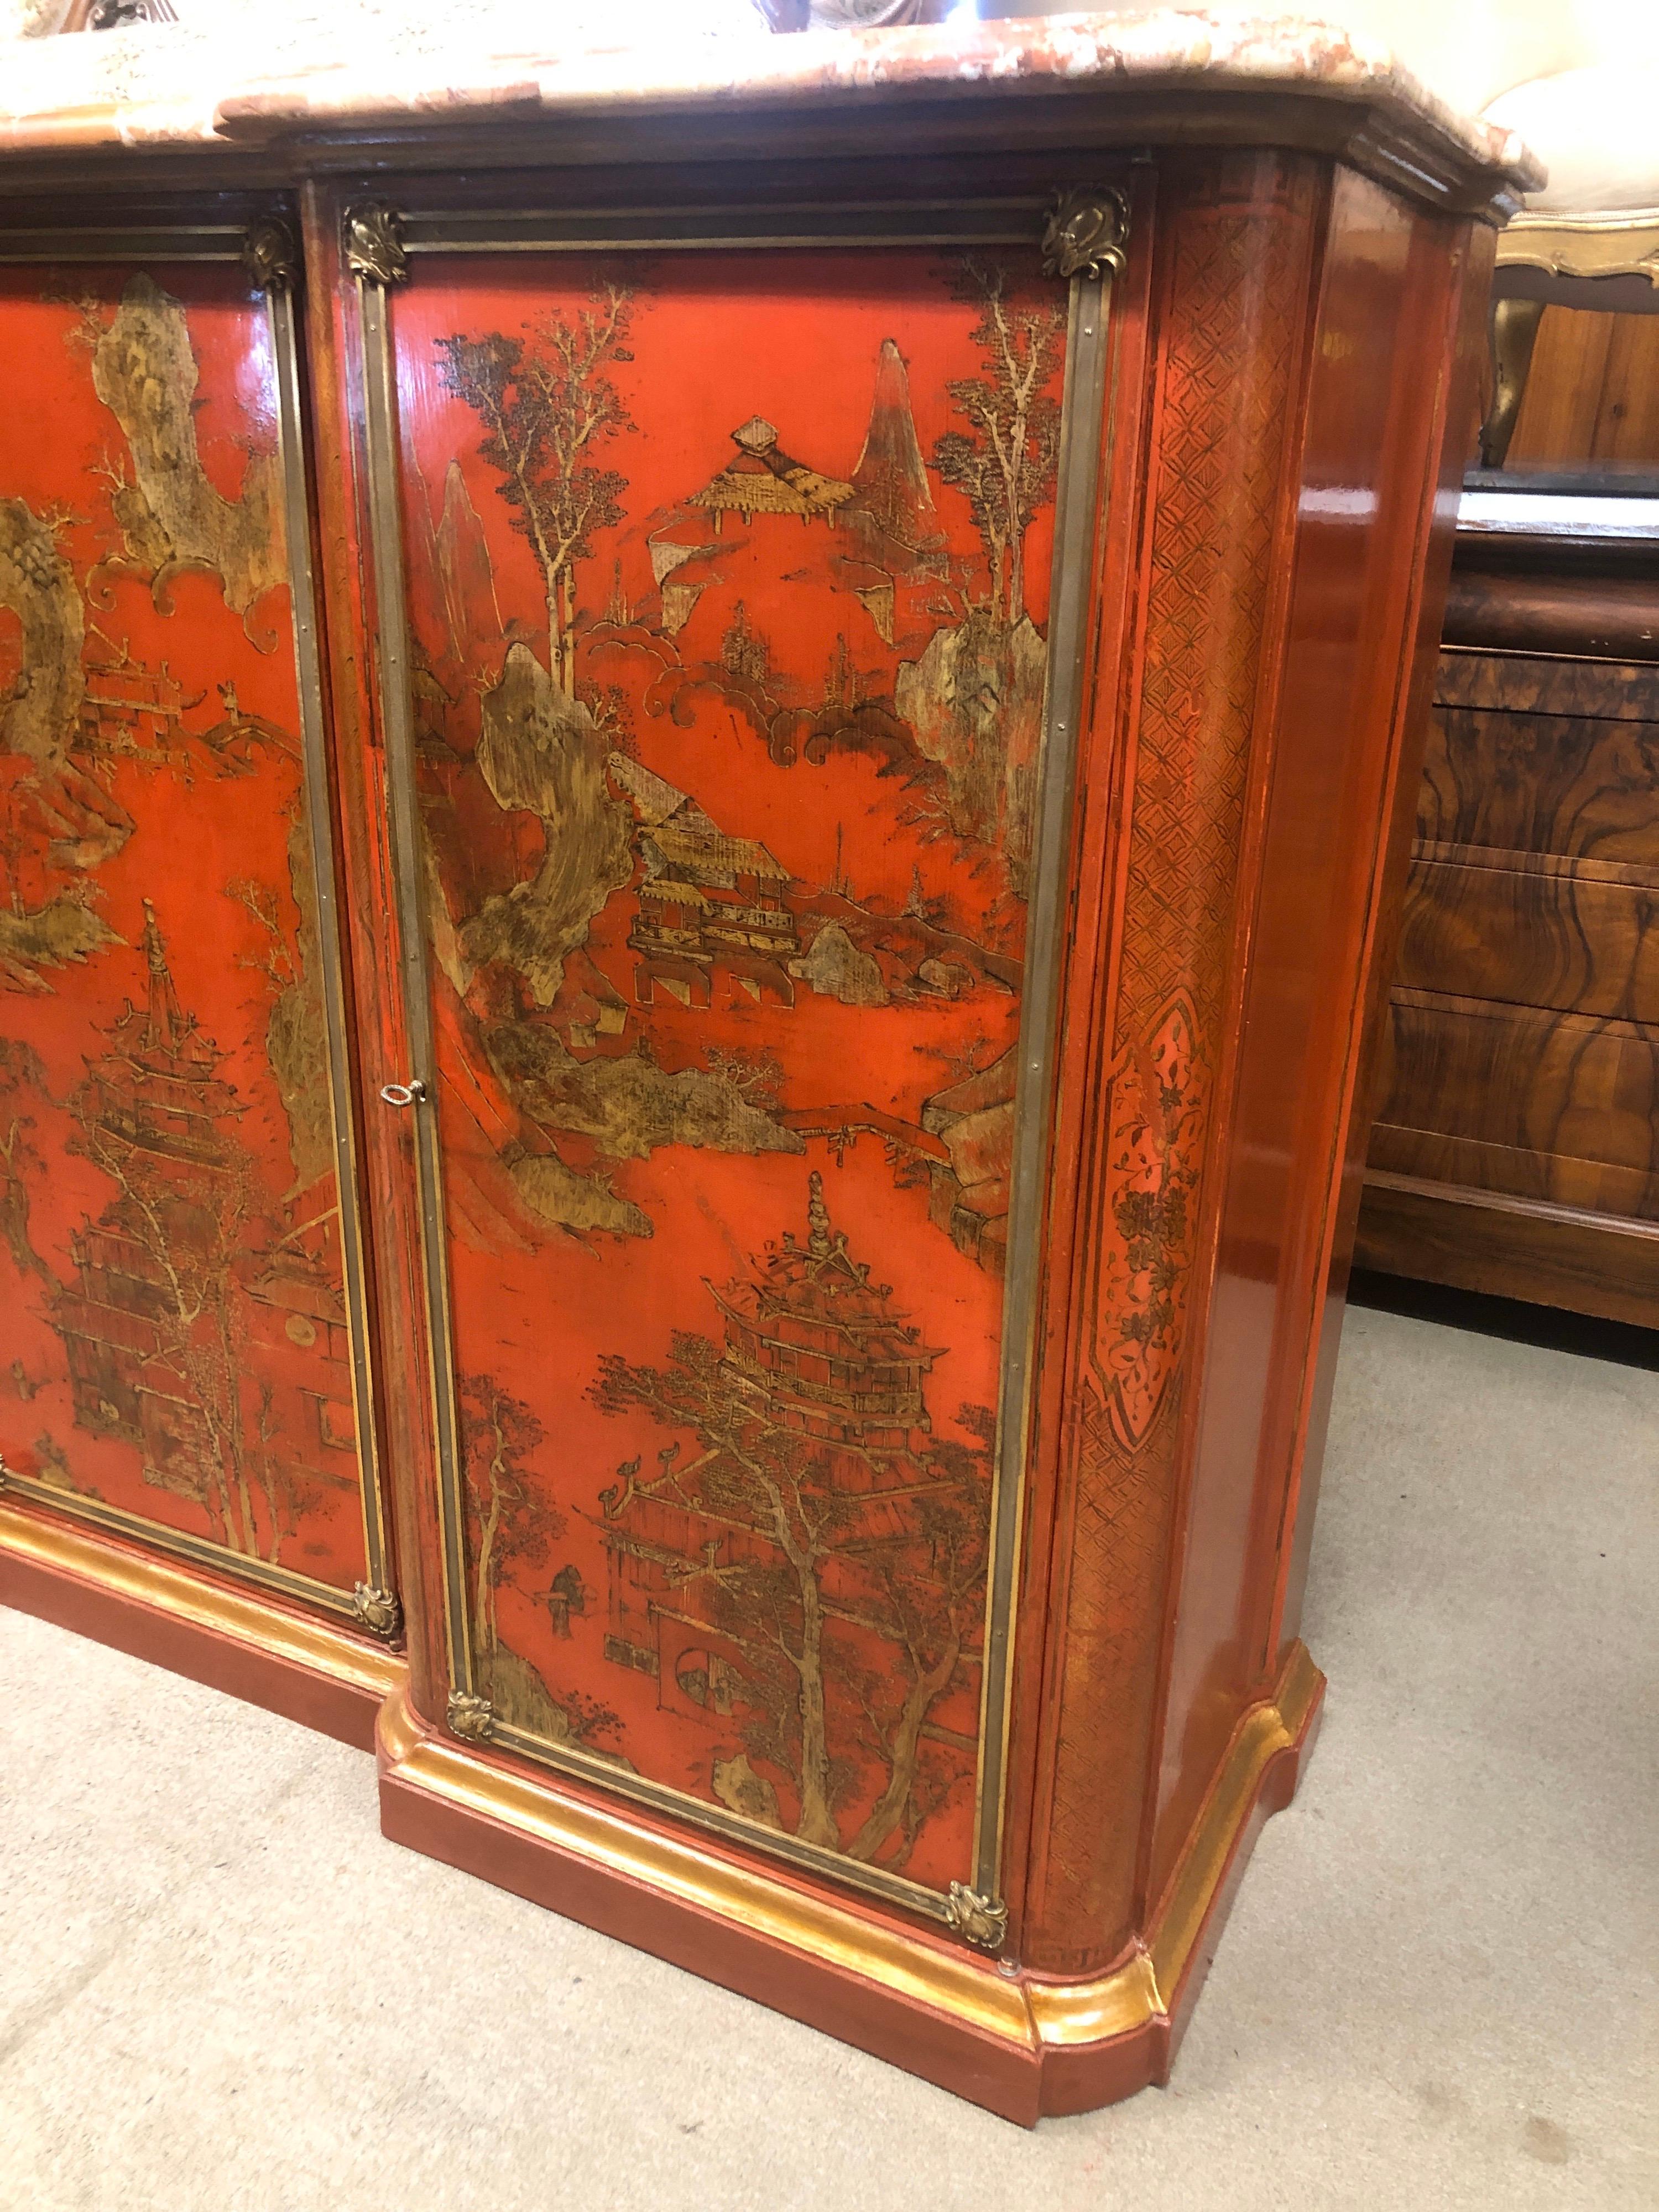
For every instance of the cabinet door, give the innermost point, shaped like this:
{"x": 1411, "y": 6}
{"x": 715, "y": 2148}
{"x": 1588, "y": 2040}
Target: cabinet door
{"x": 184, "y": 1358}
{"x": 726, "y": 577}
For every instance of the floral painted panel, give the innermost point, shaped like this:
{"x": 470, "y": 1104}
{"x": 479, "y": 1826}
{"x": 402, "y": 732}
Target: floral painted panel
{"x": 729, "y": 585}
{"x": 175, "y": 1342}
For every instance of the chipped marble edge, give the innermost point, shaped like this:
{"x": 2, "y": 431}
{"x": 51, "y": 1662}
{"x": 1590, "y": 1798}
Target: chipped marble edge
{"x": 705, "y": 71}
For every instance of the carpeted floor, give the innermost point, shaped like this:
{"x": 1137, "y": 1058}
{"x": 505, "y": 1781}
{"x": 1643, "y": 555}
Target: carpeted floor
{"x": 221, "y": 1991}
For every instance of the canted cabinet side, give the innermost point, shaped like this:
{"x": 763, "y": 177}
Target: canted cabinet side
{"x": 1290, "y": 1531}
{"x": 1178, "y": 752}
{"x": 1369, "y": 550}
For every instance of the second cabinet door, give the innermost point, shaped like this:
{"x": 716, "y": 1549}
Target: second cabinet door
{"x": 726, "y": 583}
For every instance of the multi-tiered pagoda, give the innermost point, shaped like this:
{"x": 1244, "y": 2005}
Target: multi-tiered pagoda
{"x": 157, "y": 1117}
{"x": 824, "y": 1354}
{"x": 203, "y": 1330}
{"x": 823, "y": 1379}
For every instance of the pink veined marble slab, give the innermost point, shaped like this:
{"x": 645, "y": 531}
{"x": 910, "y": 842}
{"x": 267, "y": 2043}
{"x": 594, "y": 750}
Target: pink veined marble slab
{"x": 376, "y": 64}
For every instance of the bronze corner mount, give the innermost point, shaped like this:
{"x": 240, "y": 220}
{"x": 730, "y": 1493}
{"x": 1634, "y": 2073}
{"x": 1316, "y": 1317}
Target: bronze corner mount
{"x": 471, "y": 1719}
{"x": 270, "y": 255}
{"x": 374, "y": 250}
{"x": 979, "y": 1920}
{"x": 379, "y": 1610}
{"x": 1085, "y": 233}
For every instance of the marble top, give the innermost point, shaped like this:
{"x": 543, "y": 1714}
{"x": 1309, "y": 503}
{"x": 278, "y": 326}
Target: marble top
{"x": 243, "y": 70}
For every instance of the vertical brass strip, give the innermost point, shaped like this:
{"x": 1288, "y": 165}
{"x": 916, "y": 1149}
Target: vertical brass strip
{"x": 308, "y": 660}
{"x": 1083, "y": 411}
{"x": 392, "y": 659}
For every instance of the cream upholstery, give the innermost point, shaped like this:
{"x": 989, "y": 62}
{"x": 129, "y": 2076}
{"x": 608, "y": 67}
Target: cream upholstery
{"x": 1597, "y": 131}
{"x": 1469, "y": 51}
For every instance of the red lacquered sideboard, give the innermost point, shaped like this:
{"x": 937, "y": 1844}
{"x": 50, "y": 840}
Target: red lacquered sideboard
{"x": 706, "y": 783}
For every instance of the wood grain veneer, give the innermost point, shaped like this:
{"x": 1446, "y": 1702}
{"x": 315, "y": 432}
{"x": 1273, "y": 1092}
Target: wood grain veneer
{"x": 1516, "y": 1149}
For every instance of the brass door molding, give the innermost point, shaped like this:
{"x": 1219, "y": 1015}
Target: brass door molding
{"x": 1083, "y": 232}
{"x": 271, "y": 257}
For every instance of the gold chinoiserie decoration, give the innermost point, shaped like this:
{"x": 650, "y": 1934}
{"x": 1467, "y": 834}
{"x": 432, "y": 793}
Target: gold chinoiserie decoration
{"x": 1082, "y": 245}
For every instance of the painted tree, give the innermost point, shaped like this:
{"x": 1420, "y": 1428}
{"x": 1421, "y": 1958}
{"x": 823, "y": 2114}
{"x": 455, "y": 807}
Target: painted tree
{"x": 853, "y": 1612}
{"x": 185, "y": 1223}
{"x": 157, "y": 1317}
{"x": 1004, "y": 463}
{"x": 549, "y": 409}
{"x": 928, "y": 1602}
{"x": 22, "y": 1080}
{"x": 295, "y": 1030}
{"x": 510, "y": 1523}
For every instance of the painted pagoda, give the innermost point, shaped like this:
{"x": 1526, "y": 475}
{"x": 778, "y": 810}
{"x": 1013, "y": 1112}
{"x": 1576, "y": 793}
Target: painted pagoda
{"x": 709, "y": 905}
{"x": 199, "y": 1330}
{"x": 761, "y": 479}
{"x": 156, "y": 1116}
{"x": 810, "y": 1579}
{"x": 824, "y": 1356}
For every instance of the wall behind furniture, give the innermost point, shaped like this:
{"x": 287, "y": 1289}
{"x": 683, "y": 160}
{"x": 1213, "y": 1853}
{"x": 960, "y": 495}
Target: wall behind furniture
{"x": 1470, "y": 51}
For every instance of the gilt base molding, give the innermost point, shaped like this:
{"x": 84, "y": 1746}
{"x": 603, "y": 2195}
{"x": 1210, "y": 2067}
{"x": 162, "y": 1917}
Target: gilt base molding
{"x": 301, "y": 1666}
{"x": 1019, "y": 2045}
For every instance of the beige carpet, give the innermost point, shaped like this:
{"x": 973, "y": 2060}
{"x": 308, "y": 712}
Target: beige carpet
{"x": 220, "y": 1988}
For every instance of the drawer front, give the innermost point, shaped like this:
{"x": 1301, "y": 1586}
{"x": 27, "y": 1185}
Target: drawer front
{"x": 1561, "y": 1107}
{"x": 1565, "y": 935}
{"x": 1542, "y": 783}
{"x": 1550, "y": 683}
{"x": 185, "y": 1347}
